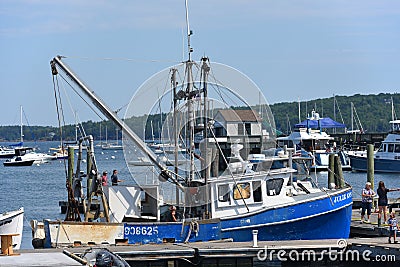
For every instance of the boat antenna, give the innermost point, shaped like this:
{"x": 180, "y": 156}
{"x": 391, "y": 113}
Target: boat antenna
{"x": 189, "y": 32}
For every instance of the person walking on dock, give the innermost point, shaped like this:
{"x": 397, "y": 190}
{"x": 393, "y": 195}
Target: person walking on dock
{"x": 367, "y": 197}
{"x": 392, "y": 227}
{"x": 114, "y": 178}
{"x": 383, "y": 201}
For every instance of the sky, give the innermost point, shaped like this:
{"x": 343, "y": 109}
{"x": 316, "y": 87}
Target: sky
{"x": 292, "y": 49}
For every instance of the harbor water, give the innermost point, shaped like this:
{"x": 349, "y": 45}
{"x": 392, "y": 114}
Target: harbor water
{"x": 39, "y": 188}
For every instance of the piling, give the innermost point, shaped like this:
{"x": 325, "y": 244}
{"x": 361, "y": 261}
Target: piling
{"x": 70, "y": 164}
{"x": 339, "y": 172}
{"x": 89, "y": 173}
{"x": 331, "y": 172}
{"x": 370, "y": 164}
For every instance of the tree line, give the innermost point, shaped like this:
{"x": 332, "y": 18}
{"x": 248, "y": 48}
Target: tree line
{"x": 374, "y": 112}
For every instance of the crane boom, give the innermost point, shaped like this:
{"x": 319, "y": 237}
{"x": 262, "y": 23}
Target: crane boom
{"x": 111, "y": 115}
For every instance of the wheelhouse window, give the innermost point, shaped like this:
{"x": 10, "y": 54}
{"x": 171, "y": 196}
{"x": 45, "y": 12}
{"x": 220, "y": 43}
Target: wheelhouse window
{"x": 397, "y": 148}
{"x": 240, "y": 129}
{"x": 257, "y": 193}
{"x": 390, "y": 147}
{"x": 382, "y": 148}
{"x": 241, "y": 190}
{"x": 274, "y": 186}
{"x": 223, "y": 193}
{"x": 248, "y": 128}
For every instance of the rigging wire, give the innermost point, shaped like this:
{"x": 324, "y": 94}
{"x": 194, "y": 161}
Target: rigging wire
{"x": 60, "y": 117}
{"x": 98, "y": 115}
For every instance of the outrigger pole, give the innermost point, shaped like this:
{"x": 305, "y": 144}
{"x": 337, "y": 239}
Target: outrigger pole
{"x": 111, "y": 115}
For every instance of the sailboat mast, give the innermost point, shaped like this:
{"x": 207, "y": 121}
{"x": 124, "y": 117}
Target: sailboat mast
{"x": 106, "y": 135}
{"x": 334, "y": 110}
{"x": 21, "y": 125}
{"x": 392, "y": 114}
{"x": 298, "y": 100}
{"x": 352, "y": 116}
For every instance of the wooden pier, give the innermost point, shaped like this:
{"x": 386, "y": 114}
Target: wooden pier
{"x": 228, "y": 253}
{"x": 366, "y": 238}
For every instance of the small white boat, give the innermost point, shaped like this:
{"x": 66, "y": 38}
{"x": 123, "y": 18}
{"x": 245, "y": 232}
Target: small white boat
{"x": 59, "y": 153}
{"x": 12, "y": 223}
{"x": 111, "y": 147}
{"x": 25, "y": 156}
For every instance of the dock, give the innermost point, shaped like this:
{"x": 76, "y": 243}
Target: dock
{"x": 367, "y": 242}
{"x": 227, "y": 253}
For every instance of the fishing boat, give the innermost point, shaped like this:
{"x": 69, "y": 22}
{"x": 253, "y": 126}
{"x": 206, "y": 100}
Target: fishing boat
{"x": 11, "y": 223}
{"x": 218, "y": 193}
{"x": 308, "y": 135}
{"x": 386, "y": 158}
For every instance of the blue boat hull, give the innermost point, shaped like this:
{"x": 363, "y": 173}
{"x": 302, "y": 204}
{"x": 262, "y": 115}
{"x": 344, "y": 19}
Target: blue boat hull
{"x": 324, "y": 218}
{"x": 380, "y": 165}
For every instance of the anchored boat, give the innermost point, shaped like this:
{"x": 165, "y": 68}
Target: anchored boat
{"x": 386, "y": 158}
{"x": 308, "y": 135}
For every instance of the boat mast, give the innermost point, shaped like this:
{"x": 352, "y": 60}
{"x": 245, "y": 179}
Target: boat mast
{"x": 352, "y": 116}
{"x": 21, "y": 125}
{"x": 175, "y": 124}
{"x": 205, "y": 68}
{"x": 190, "y": 96}
{"x": 334, "y": 110}
{"x": 298, "y": 100}
{"x": 392, "y": 114}
{"x": 112, "y": 115}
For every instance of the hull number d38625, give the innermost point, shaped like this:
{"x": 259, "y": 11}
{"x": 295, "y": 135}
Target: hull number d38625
{"x": 141, "y": 230}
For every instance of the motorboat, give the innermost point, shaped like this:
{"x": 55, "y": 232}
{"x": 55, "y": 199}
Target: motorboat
{"x": 6, "y": 152}
{"x": 26, "y": 156}
{"x": 59, "y": 153}
{"x": 11, "y": 223}
{"x": 109, "y": 146}
{"x": 386, "y": 158}
{"x": 308, "y": 135}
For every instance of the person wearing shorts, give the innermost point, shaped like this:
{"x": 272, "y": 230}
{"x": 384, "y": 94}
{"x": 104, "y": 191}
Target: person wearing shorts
{"x": 367, "y": 197}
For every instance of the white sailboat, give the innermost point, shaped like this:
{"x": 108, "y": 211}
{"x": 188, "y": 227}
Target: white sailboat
{"x": 26, "y": 156}
{"x": 112, "y": 146}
